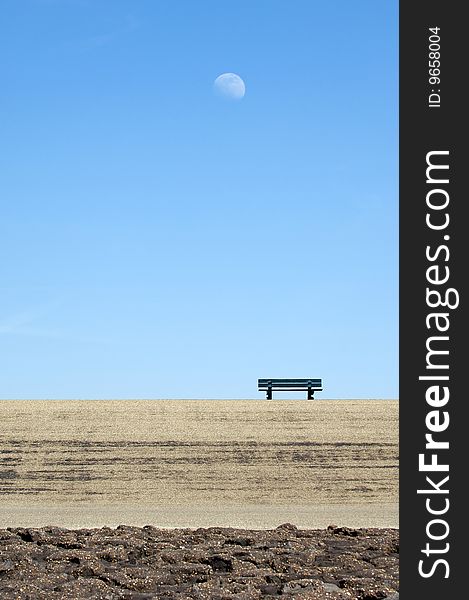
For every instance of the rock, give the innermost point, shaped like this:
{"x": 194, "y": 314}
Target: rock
{"x": 331, "y": 587}
{"x": 239, "y": 541}
{"x": 219, "y": 563}
{"x": 288, "y": 526}
{"x": 5, "y": 566}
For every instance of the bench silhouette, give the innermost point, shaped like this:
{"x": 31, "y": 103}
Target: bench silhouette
{"x": 293, "y": 385}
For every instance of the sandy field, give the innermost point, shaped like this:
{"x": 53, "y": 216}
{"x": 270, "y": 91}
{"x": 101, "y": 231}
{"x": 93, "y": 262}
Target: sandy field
{"x": 199, "y": 463}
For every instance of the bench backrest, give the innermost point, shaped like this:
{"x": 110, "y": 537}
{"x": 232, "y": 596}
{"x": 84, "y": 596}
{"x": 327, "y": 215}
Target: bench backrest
{"x": 289, "y": 383}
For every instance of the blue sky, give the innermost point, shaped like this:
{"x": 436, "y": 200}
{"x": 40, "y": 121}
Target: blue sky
{"x": 159, "y": 241}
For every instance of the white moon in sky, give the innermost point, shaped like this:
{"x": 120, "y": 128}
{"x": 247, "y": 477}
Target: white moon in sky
{"x": 230, "y": 86}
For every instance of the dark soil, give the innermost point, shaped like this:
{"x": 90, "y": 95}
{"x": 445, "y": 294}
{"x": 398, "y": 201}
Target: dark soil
{"x": 216, "y": 563}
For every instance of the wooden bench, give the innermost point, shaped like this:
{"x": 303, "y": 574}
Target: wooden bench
{"x": 292, "y": 385}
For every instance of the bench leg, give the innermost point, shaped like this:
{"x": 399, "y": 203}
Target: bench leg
{"x": 269, "y": 394}
{"x": 310, "y": 394}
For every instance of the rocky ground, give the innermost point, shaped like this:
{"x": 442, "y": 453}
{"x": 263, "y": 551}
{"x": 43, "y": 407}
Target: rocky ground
{"x": 217, "y": 563}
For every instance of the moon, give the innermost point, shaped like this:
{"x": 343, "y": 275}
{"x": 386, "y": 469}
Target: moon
{"x": 230, "y": 85}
